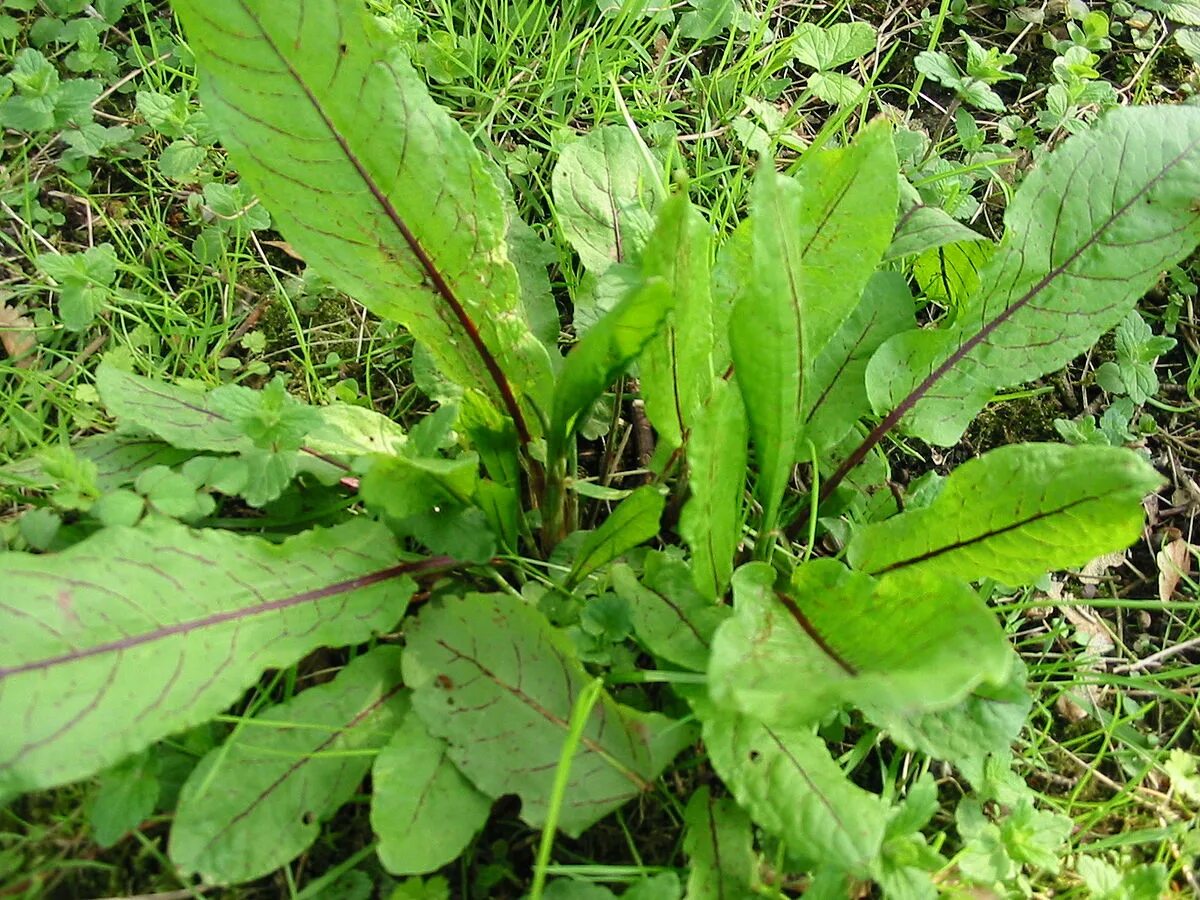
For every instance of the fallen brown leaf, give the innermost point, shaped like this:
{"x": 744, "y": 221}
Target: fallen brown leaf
{"x": 1174, "y": 561}
{"x": 17, "y": 335}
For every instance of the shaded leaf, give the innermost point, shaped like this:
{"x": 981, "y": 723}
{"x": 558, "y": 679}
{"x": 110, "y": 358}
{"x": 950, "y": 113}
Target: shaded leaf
{"x": 1016, "y": 513}
{"x": 258, "y": 801}
{"x": 498, "y": 683}
{"x": 837, "y": 396}
{"x": 671, "y": 618}
{"x": 137, "y": 633}
{"x": 423, "y": 811}
{"x": 719, "y": 842}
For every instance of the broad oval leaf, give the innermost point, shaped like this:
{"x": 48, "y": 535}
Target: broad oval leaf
{"x": 137, "y": 633}
{"x": 1087, "y": 234}
{"x": 909, "y": 643}
{"x": 424, "y": 812}
{"x": 257, "y": 802}
{"x": 1016, "y": 513}
{"x": 337, "y": 134}
{"x": 498, "y": 683}
{"x": 605, "y": 196}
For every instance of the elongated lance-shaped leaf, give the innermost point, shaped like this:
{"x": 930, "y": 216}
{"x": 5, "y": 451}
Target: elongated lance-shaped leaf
{"x": 767, "y": 340}
{"x": 137, "y": 633}
{"x": 719, "y": 843}
{"x": 257, "y": 802}
{"x": 370, "y": 180}
{"x": 836, "y": 632}
{"x": 848, "y": 207}
{"x": 633, "y": 522}
{"x": 602, "y": 354}
{"x": 424, "y": 812}
{"x": 676, "y": 371}
{"x": 1088, "y": 233}
{"x": 790, "y": 785}
{"x": 119, "y": 459}
{"x": 837, "y": 394}
{"x": 1016, "y": 513}
{"x": 711, "y": 520}
{"x": 492, "y": 677}
{"x": 605, "y": 195}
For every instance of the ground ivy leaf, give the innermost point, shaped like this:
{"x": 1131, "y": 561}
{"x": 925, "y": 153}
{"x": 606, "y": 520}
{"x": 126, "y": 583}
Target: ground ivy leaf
{"x": 137, "y": 633}
{"x": 493, "y": 679}
{"x": 1072, "y": 263}
{"x": 423, "y": 810}
{"x": 258, "y": 801}
{"x": 672, "y": 619}
{"x": 605, "y": 196}
{"x": 827, "y": 48}
{"x": 711, "y": 521}
{"x": 1016, "y": 513}
{"x": 835, "y": 631}
{"x": 719, "y": 843}
{"x": 340, "y": 147}
{"x": 790, "y": 785}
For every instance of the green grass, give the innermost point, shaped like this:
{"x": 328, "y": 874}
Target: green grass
{"x": 199, "y": 295}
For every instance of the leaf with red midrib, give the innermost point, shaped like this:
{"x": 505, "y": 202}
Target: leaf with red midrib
{"x": 137, "y": 633}
{"x": 371, "y": 181}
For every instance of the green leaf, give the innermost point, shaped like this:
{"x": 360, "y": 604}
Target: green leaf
{"x": 834, "y": 631}
{"x": 719, "y": 842}
{"x": 711, "y": 520}
{"x": 493, "y": 679}
{"x": 923, "y": 228}
{"x": 827, "y": 48}
{"x": 605, "y": 196}
{"x": 835, "y": 88}
{"x": 671, "y": 618}
{"x": 766, "y": 337}
{"x": 337, "y": 134}
{"x": 949, "y": 275}
{"x": 602, "y": 355}
{"x": 137, "y": 633}
{"x": 676, "y": 370}
{"x": 1016, "y": 513}
{"x": 257, "y": 802}
{"x": 633, "y": 522}
{"x": 986, "y": 722}
{"x": 423, "y": 810}
{"x": 1072, "y": 264}
{"x": 125, "y": 798}
{"x": 787, "y": 781}
{"x": 837, "y": 397}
